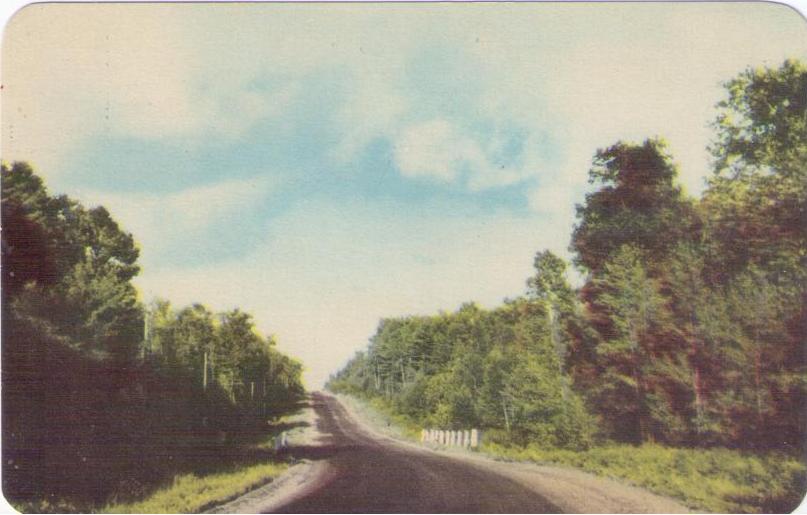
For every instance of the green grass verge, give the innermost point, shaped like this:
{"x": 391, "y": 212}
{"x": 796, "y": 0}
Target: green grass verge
{"x": 716, "y": 480}
{"x": 405, "y": 426}
{"x": 196, "y": 492}
{"x": 383, "y": 417}
{"x": 191, "y": 493}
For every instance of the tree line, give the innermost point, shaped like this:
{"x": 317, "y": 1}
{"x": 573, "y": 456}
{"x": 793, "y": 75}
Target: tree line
{"x": 689, "y": 327}
{"x": 100, "y": 393}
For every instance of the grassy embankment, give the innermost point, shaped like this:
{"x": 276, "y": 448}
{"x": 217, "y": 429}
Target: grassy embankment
{"x": 190, "y": 476}
{"x": 191, "y": 493}
{"x": 714, "y": 480}
{"x": 383, "y": 417}
{"x": 254, "y": 465}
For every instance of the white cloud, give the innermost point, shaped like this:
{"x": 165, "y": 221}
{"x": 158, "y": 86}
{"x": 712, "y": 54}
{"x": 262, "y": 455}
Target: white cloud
{"x": 161, "y": 221}
{"x": 75, "y": 71}
{"x": 442, "y": 151}
{"x": 164, "y": 70}
{"x": 434, "y": 149}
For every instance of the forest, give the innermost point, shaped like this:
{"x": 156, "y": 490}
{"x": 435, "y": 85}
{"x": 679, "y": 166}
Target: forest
{"x": 688, "y": 328}
{"x": 103, "y": 396}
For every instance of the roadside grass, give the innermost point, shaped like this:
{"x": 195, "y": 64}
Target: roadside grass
{"x": 715, "y": 480}
{"x": 234, "y": 473}
{"x": 190, "y": 493}
{"x": 404, "y": 425}
{"x": 383, "y": 417}
{"x": 190, "y": 475}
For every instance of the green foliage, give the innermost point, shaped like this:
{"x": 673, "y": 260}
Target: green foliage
{"x": 632, "y": 302}
{"x": 241, "y": 364}
{"x": 694, "y": 311}
{"x": 549, "y": 282}
{"x": 637, "y": 204}
{"x": 756, "y": 207}
{"x": 495, "y": 369}
{"x": 69, "y": 267}
{"x": 92, "y": 401}
{"x": 758, "y": 194}
{"x": 761, "y": 123}
{"x": 765, "y": 366}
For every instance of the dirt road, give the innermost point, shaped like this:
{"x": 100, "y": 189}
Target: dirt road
{"x": 349, "y": 468}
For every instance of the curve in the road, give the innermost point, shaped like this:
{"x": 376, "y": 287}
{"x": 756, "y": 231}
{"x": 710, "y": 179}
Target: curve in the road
{"x": 368, "y": 475}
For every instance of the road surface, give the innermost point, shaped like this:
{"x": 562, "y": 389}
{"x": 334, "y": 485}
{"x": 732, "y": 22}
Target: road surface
{"x": 369, "y": 475}
{"x": 349, "y": 468}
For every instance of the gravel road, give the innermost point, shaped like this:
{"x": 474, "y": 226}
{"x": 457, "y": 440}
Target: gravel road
{"x": 348, "y": 467}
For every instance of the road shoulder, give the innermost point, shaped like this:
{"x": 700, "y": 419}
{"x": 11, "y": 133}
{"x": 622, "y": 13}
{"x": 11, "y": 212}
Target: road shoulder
{"x": 294, "y": 482}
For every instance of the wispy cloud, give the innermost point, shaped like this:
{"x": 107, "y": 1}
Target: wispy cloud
{"x": 435, "y": 149}
{"x": 174, "y": 222}
{"x": 441, "y": 151}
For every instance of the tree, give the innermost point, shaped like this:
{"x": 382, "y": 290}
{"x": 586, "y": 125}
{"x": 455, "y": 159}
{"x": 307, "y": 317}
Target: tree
{"x": 549, "y": 286}
{"x": 69, "y": 268}
{"x": 637, "y": 203}
{"x": 766, "y": 366}
{"x": 195, "y": 337}
{"x": 161, "y": 346}
{"x": 702, "y": 322}
{"x": 82, "y": 383}
{"x": 632, "y": 301}
{"x": 758, "y": 194}
{"x": 492, "y": 369}
{"x": 236, "y": 342}
{"x": 690, "y": 326}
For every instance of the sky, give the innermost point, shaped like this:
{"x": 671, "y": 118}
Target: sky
{"x": 322, "y": 166}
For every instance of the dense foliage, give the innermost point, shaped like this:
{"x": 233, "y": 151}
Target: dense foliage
{"x": 689, "y": 328}
{"x": 99, "y": 394}
{"x": 474, "y": 368}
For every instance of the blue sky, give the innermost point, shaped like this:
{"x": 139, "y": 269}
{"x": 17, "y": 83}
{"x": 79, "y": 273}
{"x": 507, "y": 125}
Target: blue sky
{"x": 322, "y": 166}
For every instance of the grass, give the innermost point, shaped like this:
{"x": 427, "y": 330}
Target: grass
{"x": 253, "y": 467}
{"x": 195, "y": 476}
{"x": 383, "y": 417}
{"x": 716, "y": 480}
{"x": 191, "y": 493}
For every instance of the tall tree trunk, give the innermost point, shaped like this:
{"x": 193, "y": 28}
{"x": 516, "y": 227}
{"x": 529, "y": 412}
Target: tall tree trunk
{"x": 639, "y": 389}
{"x": 506, "y": 417}
{"x": 697, "y": 383}
{"x": 232, "y": 386}
{"x": 554, "y": 336}
{"x": 403, "y": 374}
{"x": 758, "y": 383}
{"x": 204, "y": 374}
{"x": 698, "y": 386}
{"x": 641, "y": 407}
